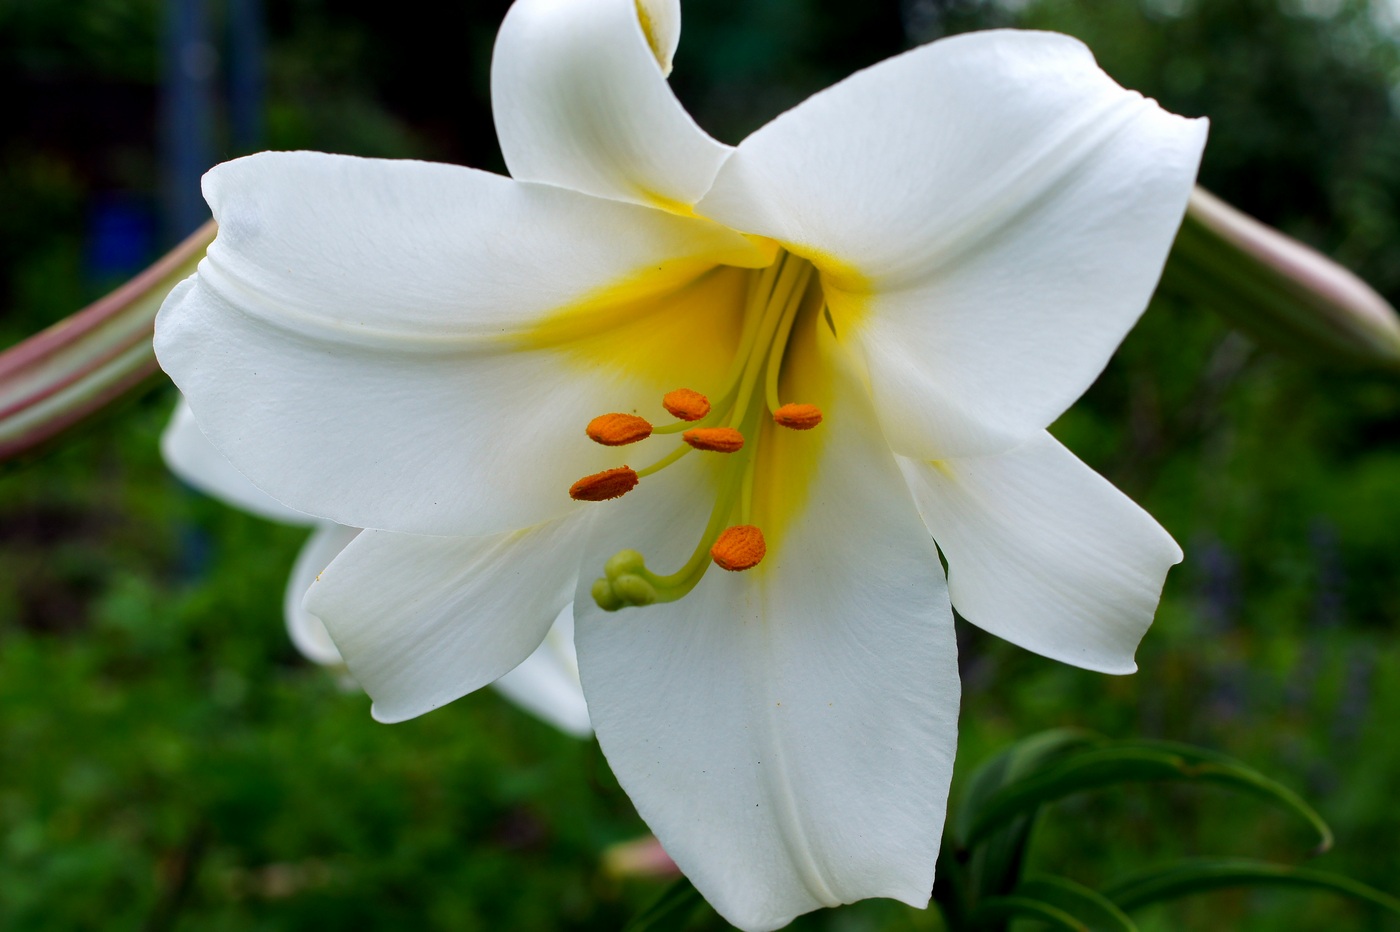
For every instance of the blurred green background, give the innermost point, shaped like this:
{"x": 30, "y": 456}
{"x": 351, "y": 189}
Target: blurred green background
{"x": 167, "y": 760}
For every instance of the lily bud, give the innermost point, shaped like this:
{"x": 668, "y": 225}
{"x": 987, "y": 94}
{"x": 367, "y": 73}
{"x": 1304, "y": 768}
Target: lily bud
{"x": 60, "y": 376}
{"x": 1288, "y": 295}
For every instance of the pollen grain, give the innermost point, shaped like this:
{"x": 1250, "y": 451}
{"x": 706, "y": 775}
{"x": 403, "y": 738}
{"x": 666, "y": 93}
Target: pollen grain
{"x": 798, "y": 417}
{"x": 714, "y": 439}
{"x": 686, "y": 404}
{"x": 601, "y": 486}
{"x": 739, "y": 548}
{"x": 615, "y": 430}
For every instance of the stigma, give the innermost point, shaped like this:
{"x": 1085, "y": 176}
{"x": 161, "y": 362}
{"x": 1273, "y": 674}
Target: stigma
{"x": 729, "y": 423}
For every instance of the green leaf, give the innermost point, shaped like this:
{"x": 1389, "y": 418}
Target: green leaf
{"x": 1095, "y": 910}
{"x": 1000, "y": 908}
{"x": 671, "y": 910}
{"x": 1012, "y": 907}
{"x": 994, "y": 868}
{"x": 1130, "y": 762}
{"x": 1012, "y": 764}
{"x": 1201, "y": 875}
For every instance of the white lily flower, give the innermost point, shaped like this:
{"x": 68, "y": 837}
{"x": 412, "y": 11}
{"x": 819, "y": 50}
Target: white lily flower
{"x": 934, "y": 258}
{"x": 546, "y": 683}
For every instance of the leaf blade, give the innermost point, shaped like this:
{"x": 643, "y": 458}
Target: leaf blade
{"x": 1130, "y": 762}
{"x": 1201, "y": 875}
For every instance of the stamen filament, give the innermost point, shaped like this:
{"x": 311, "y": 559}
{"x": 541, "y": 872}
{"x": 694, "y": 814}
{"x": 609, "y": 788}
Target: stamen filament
{"x": 746, "y": 498}
{"x": 665, "y": 461}
{"x": 758, "y": 328}
{"x": 792, "y": 272}
{"x": 686, "y": 578}
{"x": 755, "y": 316}
{"x": 689, "y": 576}
{"x": 754, "y": 429}
{"x": 780, "y": 340}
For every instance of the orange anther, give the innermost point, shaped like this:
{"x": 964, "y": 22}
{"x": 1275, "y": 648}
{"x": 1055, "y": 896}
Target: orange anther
{"x": 601, "y": 486}
{"x": 686, "y": 404}
{"x": 615, "y": 430}
{"x": 739, "y": 548}
{"x": 714, "y": 439}
{"x": 798, "y": 417}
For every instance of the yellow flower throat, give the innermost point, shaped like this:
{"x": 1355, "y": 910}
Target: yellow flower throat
{"x": 729, "y": 424}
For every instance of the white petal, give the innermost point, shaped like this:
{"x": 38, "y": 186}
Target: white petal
{"x": 1045, "y": 552}
{"x": 546, "y": 682}
{"x": 308, "y": 632}
{"x": 661, "y": 23}
{"x": 190, "y": 455}
{"x": 370, "y": 341}
{"x": 991, "y": 213}
{"x": 579, "y": 94}
{"x": 788, "y": 733}
{"x": 424, "y": 620}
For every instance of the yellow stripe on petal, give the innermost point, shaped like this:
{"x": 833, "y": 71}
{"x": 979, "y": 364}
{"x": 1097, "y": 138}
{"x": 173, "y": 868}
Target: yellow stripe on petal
{"x": 665, "y": 329}
{"x": 848, "y": 290}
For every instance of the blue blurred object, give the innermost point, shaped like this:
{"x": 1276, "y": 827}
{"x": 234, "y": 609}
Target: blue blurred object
{"x": 187, "y": 151}
{"x": 245, "y": 75}
{"x": 121, "y": 238}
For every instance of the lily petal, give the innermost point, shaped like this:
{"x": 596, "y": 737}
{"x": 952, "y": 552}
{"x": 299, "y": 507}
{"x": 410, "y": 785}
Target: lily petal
{"x": 191, "y": 457}
{"x": 546, "y": 682}
{"x": 1045, "y": 552}
{"x": 579, "y": 94}
{"x": 385, "y": 328}
{"x": 424, "y": 620}
{"x": 788, "y": 732}
{"x": 994, "y": 247}
{"x": 308, "y": 632}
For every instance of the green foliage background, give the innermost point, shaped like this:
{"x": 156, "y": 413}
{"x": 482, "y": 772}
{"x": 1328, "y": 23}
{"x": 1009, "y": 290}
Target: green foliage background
{"x": 167, "y": 760}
